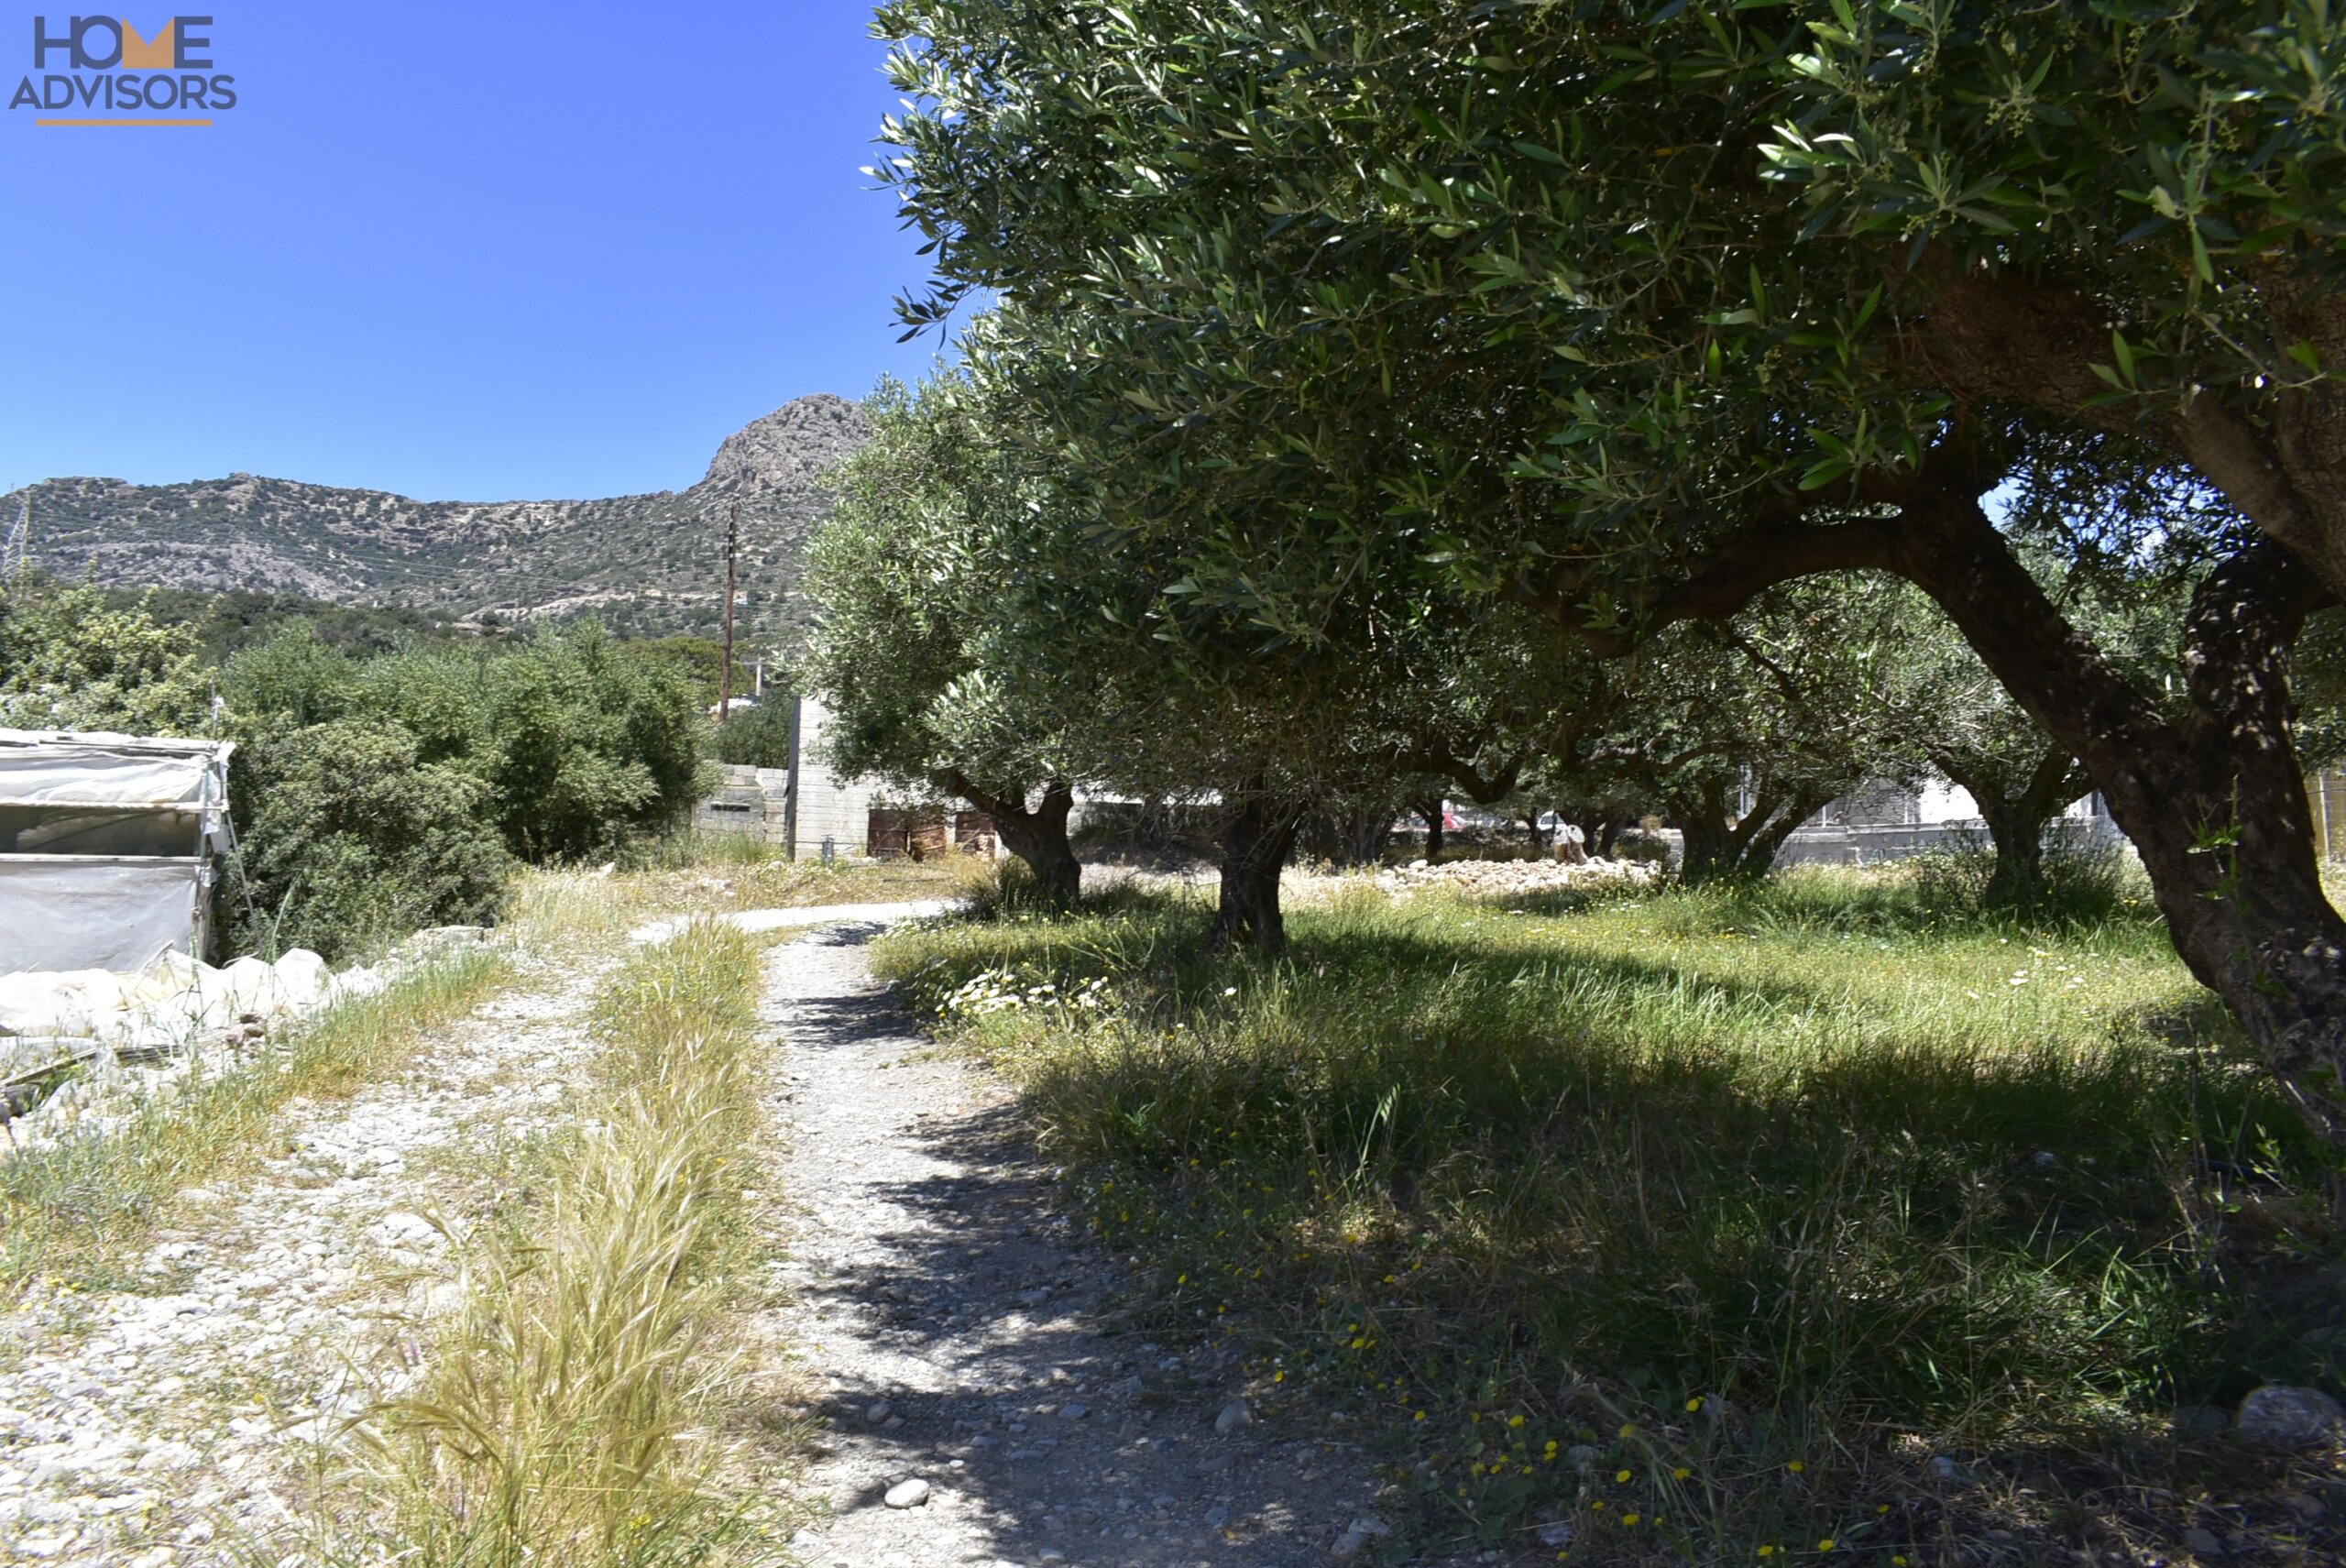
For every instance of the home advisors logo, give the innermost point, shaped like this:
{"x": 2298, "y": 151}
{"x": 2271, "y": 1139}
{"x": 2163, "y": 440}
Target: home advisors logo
{"x": 162, "y": 78}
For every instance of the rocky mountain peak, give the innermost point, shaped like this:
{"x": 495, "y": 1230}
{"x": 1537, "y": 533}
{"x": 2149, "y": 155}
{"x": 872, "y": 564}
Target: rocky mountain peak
{"x": 789, "y": 446}
{"x": 647, "y": 564}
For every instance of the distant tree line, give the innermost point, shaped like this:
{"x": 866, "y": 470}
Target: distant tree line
{"x": 390, "y": 774}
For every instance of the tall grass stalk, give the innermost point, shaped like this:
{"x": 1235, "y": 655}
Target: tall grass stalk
{"x": 573, "y": 1410}
{"x": 80, "y": 1211}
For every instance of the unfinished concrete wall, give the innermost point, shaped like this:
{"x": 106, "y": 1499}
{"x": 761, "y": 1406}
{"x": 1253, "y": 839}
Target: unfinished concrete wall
{"x": 829, "y": 807}
{"x": 753, "y": 802}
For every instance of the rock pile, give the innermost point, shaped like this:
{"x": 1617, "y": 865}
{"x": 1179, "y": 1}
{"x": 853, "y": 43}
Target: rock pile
{"x": 1515, "y": 879}
{"x": 129, "y": 1039}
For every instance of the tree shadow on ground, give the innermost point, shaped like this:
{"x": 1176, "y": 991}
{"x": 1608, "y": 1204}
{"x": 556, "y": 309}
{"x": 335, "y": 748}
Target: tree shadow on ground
{"x": 992, "y": 1352}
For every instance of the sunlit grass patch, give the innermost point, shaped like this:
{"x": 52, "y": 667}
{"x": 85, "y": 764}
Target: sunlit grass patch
{"x": 1805, "y": 1154}
{"x": 578, "y": 1406}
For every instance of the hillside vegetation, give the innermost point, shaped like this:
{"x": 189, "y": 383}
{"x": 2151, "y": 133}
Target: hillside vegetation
{"x": 648, "y": 563}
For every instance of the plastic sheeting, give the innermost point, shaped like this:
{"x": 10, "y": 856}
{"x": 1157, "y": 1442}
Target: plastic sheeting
{"x": 106, "y": 845}
{"x": 116, "y": 773}
{"x": 62, "y": 912}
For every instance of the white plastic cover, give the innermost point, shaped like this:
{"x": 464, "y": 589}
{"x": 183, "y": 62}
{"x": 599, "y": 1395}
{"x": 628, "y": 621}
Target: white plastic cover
{"x": 106, "y": 845}
{"x": 108, "y": 772}
{"x": 107, "y": 912}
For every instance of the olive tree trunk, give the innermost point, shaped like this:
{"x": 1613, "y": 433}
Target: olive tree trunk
{"x": 1257, "y": 836}
{"x": 2017, "y": 820}
{"x": 1716, "y": 848}
{"x": 2214, "y": 802}
{"x": 1036, "y": 833}
{"x": 1364, "y": 831}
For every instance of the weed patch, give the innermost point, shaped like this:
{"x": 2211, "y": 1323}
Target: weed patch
{"x": 576, "y": 1407}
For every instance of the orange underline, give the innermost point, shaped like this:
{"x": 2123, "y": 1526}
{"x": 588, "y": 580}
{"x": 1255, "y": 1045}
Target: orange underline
{"x": 122, "y": 122}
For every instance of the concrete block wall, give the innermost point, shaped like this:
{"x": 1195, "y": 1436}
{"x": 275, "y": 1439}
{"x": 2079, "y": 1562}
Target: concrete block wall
{"x": 829, "y": 806}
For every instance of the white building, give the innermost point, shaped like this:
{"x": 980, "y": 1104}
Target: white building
{"x": 830, "y": 815}
{"x": 805, "y": 806}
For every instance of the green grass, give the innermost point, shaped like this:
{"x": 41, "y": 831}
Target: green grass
{"x": 582, "y": 1406}
{"x": 80, "y": 1211}
{"x": 1718, "y": 1182}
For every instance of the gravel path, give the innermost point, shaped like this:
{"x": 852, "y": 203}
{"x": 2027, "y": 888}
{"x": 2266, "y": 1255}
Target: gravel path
{"x": 171, "y": 1423}
{"x": 959, "y": 1325}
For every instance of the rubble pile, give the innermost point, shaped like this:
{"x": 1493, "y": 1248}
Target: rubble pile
{"x": 81, "y": 1049}
{"x": 1516, "y": 879}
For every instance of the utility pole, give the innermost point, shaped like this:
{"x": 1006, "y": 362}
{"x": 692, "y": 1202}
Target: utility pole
{"x": 732, "y": 550}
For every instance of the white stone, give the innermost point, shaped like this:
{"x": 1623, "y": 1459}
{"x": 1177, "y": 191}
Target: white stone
{"x": 909, "y": 1493}
{"x": 2287, "y": 1419}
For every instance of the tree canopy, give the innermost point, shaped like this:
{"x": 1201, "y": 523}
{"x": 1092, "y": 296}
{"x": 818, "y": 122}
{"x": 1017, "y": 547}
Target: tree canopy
{"x": 1630, "y": 315}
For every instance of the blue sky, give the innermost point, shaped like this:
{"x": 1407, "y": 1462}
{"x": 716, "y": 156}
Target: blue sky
{"x": 457, "y": 251}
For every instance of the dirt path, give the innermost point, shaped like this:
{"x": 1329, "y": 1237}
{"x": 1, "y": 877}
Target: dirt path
{"x": 958, "y": 1324}
{"x": 171, "y": 1423}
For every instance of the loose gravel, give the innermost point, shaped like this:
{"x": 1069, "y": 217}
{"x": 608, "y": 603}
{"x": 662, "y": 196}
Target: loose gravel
{"x": 961, "y": 1331}
{"x": 172, "y": 1420}
{"x": 960, "y": 1324}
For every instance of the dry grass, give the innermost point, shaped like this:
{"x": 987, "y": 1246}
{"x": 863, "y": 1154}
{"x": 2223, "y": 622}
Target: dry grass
{"x": 81, "y": 1213}
{"x": 577, "y": 1409}
{"x": 723, "y": 870}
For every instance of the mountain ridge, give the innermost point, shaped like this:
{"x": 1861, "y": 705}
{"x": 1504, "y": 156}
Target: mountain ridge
{"x": 650, "y": 564}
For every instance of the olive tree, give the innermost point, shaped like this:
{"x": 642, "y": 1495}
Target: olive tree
{"x": 1632, "y": 316}
{"x": 927, "y": 521}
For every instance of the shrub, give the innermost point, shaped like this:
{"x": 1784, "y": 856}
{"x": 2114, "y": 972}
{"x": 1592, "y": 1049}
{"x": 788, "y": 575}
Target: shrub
{"x": 757, "y": 737}
{"x": 70, "y": 662}
{"x": 593, "y": 745}
{"x": 356, "y": 842}
{"x": 579, "y": 743}
{"x": 2084, "y": 883}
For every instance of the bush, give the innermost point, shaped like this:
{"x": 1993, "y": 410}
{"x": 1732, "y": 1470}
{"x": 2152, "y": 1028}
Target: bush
{"x": 757, "y": 737}
{"x": 2084, "y": 884}
{"x": 589, "y": 745}
{"x": 70, "y": 662}
{"x": 581, "y": 743}
{"x": 356, "y": 842}
{"x": 563, "y": 746}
